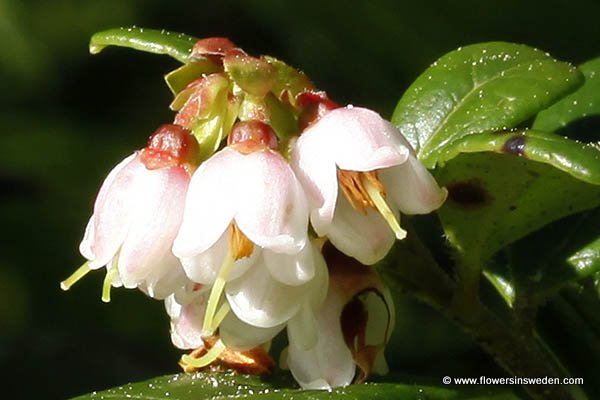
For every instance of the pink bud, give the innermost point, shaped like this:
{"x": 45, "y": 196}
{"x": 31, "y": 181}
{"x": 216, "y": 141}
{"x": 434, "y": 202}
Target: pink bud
{"x": 249, "y": 136}
{"x": 170, "y": 145}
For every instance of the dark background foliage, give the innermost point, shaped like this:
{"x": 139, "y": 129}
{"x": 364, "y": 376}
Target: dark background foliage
{"x": 68, "y": 117}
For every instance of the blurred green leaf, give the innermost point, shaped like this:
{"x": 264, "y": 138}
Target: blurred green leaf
{"x": 504, "y": 186}
{"x": 229, "y": 385}
{"x": 176, "y": 45}
{"x": 565, "y": 251}
{"x": 583, "y": 103}
{"x": 483, "y": 87}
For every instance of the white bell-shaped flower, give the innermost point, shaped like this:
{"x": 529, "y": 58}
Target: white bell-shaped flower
{"x": 359, "y": 172}
{"x": 137, "y": 215}
{"x": 353, "y": 327}
{"x": 244, "y": 232}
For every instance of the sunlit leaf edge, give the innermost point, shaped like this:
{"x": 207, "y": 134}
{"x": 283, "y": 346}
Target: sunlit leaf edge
{"x": 580, "y": 160}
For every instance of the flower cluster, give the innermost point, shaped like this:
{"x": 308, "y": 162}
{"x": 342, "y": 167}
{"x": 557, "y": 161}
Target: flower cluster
{"x": 259, "y": 210}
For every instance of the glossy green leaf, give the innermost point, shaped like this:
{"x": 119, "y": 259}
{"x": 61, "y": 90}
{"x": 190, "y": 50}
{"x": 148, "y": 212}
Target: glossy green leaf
{"x": 176, "y": 45}
{"x": 213, "y": 386}
{"x": 484, "y": 87}
{"x": 504, "y": 186}
{"x": 585, "y": 102}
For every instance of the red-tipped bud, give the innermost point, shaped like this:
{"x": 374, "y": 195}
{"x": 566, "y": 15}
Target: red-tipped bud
{"x": 249, "y": 136}
{"x": 314, "y": 105}
{"x": 170, "y": 145}
{"x": 215, "y": 46}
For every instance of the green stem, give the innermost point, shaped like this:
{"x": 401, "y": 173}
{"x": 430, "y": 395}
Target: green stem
{"x": 516, "y": 350}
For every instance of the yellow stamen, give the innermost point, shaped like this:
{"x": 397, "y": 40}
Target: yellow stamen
{"x": 220, "y": 315}
{"x": 75, "y": 276}
{"x": 351, "y": 183}
{"x": 210, "y": 356}
{"x": 107, "y": 285}
{"x": 239, "y": 247}
{"x": 383, "y": 208}
{"x": 215, "y": 294}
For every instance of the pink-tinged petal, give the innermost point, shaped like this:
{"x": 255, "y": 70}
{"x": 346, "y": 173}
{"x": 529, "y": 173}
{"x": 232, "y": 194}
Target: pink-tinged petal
{"x": 156, "y": 218}
{"x": 210, "y": 204}
{"x": 272, "y": 210}
{"x": 366, "y": 237}
{"x": 315, "y": 168}
{"x": 412, "y": 188}
{"x": 293, "y": 269}
{"x": 329, "y": 363}
{"x": 359, "y": 139}
{"x": 204, "y": 267}
{"x": 238, "y": 335}
{"x": 186, "y": 321}
{"x": 112, "y": 211}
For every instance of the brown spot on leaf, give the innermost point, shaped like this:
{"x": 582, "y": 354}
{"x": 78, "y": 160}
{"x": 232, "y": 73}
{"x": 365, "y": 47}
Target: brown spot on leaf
{"x": 468, "y": 194}
{"x": 515, "y": 146}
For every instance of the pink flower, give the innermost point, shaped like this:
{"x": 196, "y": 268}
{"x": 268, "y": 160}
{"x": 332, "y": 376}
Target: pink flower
{"x": 353, "y": 326}
{"x": 244, "y": 232}
{"x": 138, "y": 212}
{"x": 356, "y": 168}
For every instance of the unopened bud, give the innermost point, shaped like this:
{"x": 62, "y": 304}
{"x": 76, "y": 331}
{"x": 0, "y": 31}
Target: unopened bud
{"x": 170, "y": 145}
{"x": 249, "y": 136}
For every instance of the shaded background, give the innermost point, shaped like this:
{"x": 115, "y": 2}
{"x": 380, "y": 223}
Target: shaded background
{"x": 67, "y": 118}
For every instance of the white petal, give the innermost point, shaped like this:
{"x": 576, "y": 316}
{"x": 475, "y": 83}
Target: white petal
{"x": 204, "y": 267}
{"x": 272, "y": 211}
{"x": 260, "y": 300}
{"x": 302, "y": 328}
{"x": 113, "y": 210}
{"x": 368, "y": 238}
{"x": 210, "y": 205}
{"x": 315, "y": 167}
{"x": 85, "y": 247}
{"x": 163, "y": 283}
{"x": 317, "y": 288}
{"x": 238, "y": 335}
{"x": 329, "y": 364}
{"x": 412, "y": 188}
{"x": 146, "y": 250}
{"x": 293, "y": 269}
{"x": 360, "y": 139}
